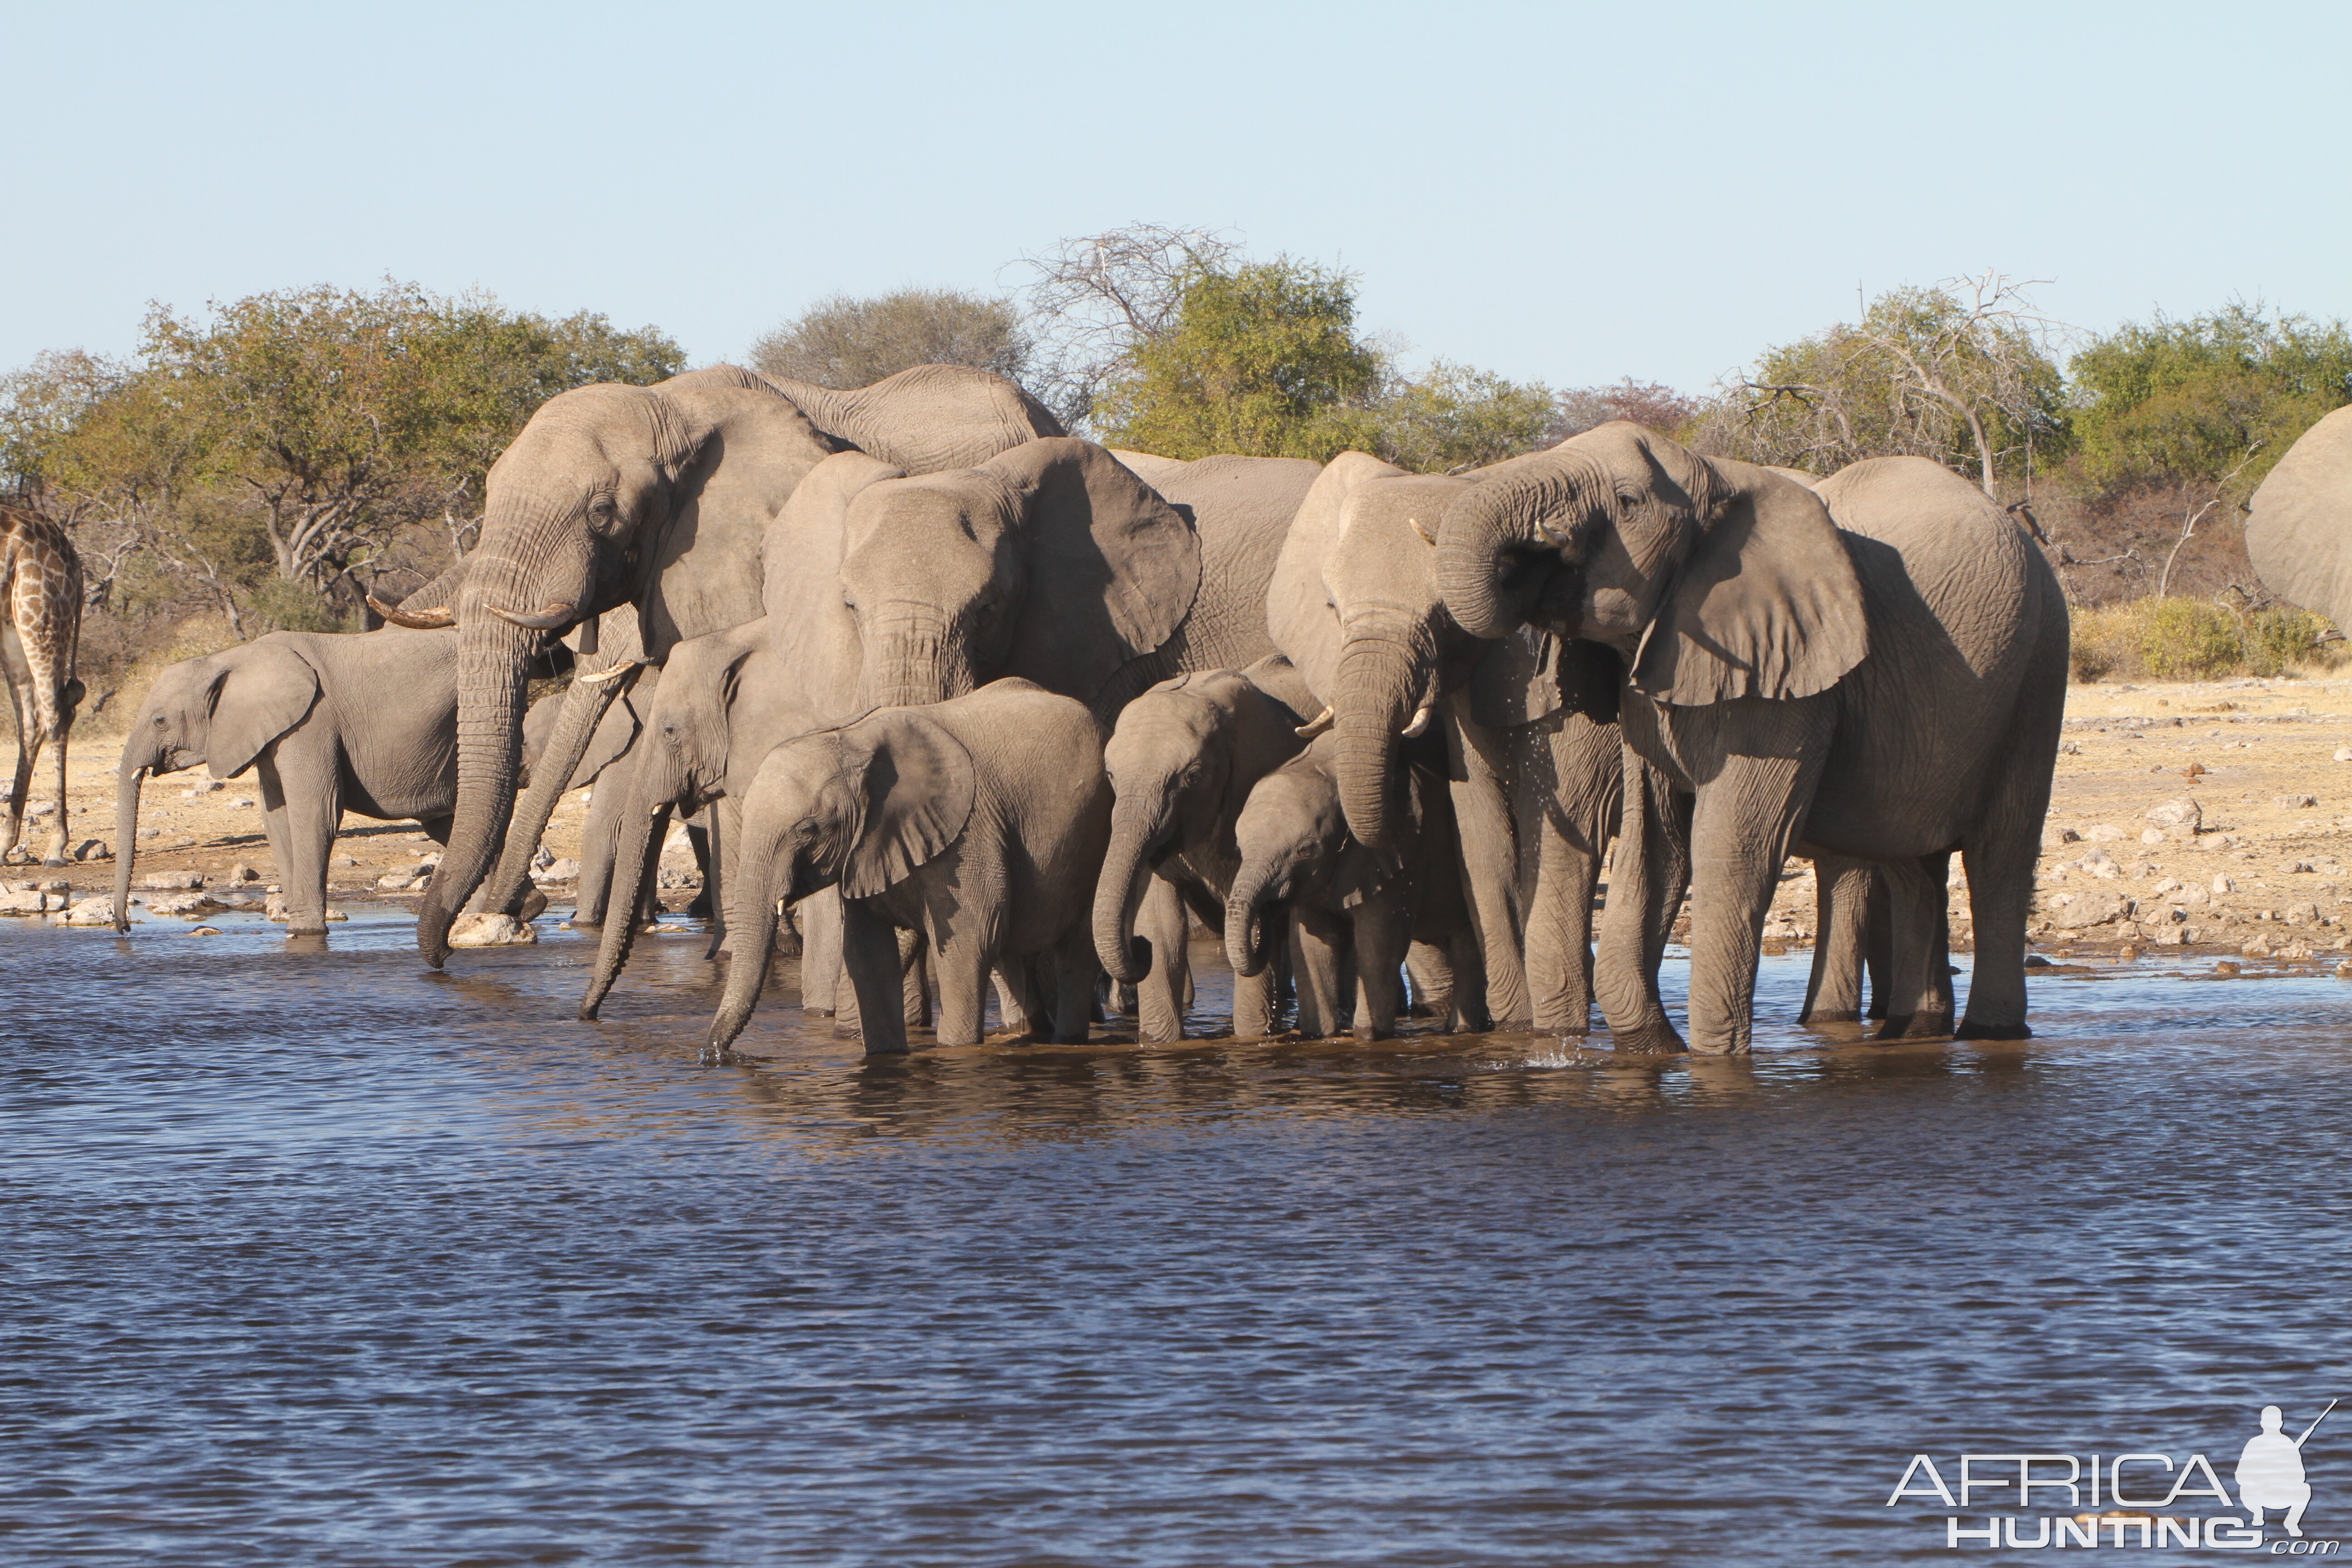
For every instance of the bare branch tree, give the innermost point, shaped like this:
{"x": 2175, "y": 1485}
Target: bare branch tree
{"x": 2191, "y": 517}
{"x": 1094, "y": 298}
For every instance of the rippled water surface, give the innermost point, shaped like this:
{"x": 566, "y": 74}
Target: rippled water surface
{"x": 322, "y": 1258}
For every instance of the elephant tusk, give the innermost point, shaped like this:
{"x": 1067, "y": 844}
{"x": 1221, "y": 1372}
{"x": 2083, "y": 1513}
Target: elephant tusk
{"x": 431, "y": 620}
{"x": 1419, "y": 721}
{"x": 1314, "y": 726}
{"x": 615, "y": 673}
{"x": 1558, "y": 540}
{"x": 1418, "y": 527}
{"x": 556, "y": 614}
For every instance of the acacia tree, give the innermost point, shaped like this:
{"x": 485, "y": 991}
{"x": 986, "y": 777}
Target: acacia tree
{"x": 1095, "y": 299}
{"x": 840, "y": 342}
{"x": 1961, "y": 372}
{"x": 293, "y": 437}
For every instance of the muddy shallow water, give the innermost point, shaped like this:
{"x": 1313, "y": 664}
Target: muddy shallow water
{"x": 325, "y": 1258}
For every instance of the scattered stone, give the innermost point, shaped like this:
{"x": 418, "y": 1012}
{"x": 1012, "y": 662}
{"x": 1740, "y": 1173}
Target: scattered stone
{"x": 185, "y": 904}
{"x": 2035, "y": 960}
{"x": 344, "y": 862}
{"x": 204, "y": 931}
{"x": 564, "y": 870}
{"x": 2301, "y": 914}
{"x": 276, "y": 909}
{"x": 2099, "y": 863}
{"x": 2344, "y": 970}
{"x": 2259, "y": 947}
{"x": 239, "y": 874}
{"x": 91, "y": 913}
{"x": 491, "y": 930}
{"x": 2344, "y": 754}
{"x": 151, "y": 833}
{"x": 2151, "y": 836}
{"x": 2292, "y": 802}
{"x": 24, "y": 901}
{"x": 2220, "y": 885}
{"x": 241, "y": 802}
{"x": 93, "y": 849}
{"x": 2297, "y": 949}
{"x": 2051, "y": 838}
{"x": 2300, "y": 867}
{"x": 2226, "y": 969}
{"x": 2076, "y": 911}
{"x": 2181, "y": 813}
{"x": 2104, "y": 833}
{"x": 543, "y": 858}
{"x": 170, "y": 881}
{"x": 671, "y": 876}
{"x": 206, "y": 786}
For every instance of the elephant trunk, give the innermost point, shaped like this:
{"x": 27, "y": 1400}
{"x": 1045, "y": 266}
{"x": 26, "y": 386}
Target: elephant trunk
{"x": 1136, "y": 830}
{"x": 135, "y": 769}
{"x": 914, "y": 656}
{"x": 1486, "y": 533}
{"x": 637, "y": 859}
{"x": 496, "y": 648}
{"x": 1385, "y": 679}
{"x": 763, "y": 878}
{"x": 584, "y": 705}
{"x": 1245, "y": 944}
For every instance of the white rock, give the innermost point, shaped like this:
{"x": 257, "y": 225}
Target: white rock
{"x": 91, "y": 913}
{"x": 2090, "y": 908}
{"x": 564, "y": 870}
{"x": 25, "y": 902}
{"x": 2225, "y": 884}
{"x": 2344, "y": 754}
{"x": 171, "y": 881}
{"x": 242, "y": 801}
{"x": 2151, "y": 836}
{"x": 181, "y": 904}
{"x": 491, "y": 930}
{"x": 2291, "y": 801}
{"x": 2104, "y": 833}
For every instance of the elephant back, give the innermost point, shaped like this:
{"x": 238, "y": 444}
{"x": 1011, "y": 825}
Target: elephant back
{"x": 1240, "y": 508}
{"x": 2299, "y": 536}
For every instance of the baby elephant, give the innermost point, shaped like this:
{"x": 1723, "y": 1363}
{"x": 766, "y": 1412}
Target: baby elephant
{"x": 1344, "y": 900}
{"x": 329, "y": 722}
{"x": 977, "y": 823}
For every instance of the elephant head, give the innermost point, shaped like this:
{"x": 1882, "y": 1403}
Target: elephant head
{"x": 221, "y": 710}
{"x": 1181, "y": 760}
{"x": 1355, "y": 604}
{"x": 2299, "y": 536}
{"x": 864, "y": 807}
{"x": 1295, "y": 844}
{"x": 652, "y": 495}
{"x": 1052, "y": 561}
{"x": 927, "y": 418}
{"x": 1712, "y": 580}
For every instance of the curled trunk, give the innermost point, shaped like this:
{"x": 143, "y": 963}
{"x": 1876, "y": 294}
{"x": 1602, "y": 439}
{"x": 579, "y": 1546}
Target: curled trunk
{"x": 645, "y": 823}
{"x": 1382, "y": 680}
{"x": 1246, "y": 948}
{"x": 584, "y": 705}
{"x": 1118, "y": 892}
{"x": 1476, "y": 545}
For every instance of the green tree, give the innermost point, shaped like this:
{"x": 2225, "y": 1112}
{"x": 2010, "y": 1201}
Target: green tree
{"x": 845, "y": 342}
{"x": 1262, "y": 360}
{"x": 1960, "y": 373}
{"x": 2217, "y": 398}
{"x": 297, "y": 436}
{"x": 1456, "y": 417}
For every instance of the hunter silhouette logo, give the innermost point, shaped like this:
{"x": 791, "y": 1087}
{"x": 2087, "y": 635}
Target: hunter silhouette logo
{"x": 2141, "y": 1499}
{"x": 2270, "y": 1472}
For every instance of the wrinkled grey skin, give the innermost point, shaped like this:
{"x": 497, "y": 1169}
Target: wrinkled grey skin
{"x": 1884, "y": 694}
{"x": 2299, "y": 535}
{"x": 657, "y": 498}
{"x": 977, "y": 823}
{"x": 364, "y": 722}
{"x": 613, "y": 735}
{"x": 1528, "y": 723}
{"x": 1302, "y": 877}
{"x": 1181, "y": 762}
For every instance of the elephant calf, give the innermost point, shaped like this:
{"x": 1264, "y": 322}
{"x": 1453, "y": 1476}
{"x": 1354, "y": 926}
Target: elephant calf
{"x": 1345, "y": 901}
{"x": 329, "y": 722}
{"x": 978, "y": 823}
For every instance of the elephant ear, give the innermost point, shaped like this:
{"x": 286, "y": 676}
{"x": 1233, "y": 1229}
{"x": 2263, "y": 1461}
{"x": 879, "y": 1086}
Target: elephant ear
{"x": 1113, "y": 567}
{"x": 255, "y": 700}
{"x": 737, "y": 448}
{"x": 616, "y": 732}
{"x": 2299, "y": 536}
{"x": 917, "y": 782}
{"x": 1297, "y": 609}
{"x": 1766, "y": 604}
{"x": 1518, "y": 680}
{"x": 1362, "y": 872}
{"x": 1592, "y": 679}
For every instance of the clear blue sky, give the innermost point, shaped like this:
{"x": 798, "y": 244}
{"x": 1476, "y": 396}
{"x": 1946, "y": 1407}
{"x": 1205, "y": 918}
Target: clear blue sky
{"x": 1569, "y": 192}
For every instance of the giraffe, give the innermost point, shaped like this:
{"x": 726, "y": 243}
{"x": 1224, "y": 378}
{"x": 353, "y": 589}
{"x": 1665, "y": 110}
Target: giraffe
{"x": 40, "y": 584}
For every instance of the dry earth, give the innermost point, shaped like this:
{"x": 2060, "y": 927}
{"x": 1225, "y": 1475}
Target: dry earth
{"x": 2257, "y": 869}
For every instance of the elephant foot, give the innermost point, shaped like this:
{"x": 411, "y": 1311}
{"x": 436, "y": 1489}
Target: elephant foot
{"x": 701, "y": 909}
{"x": 1656, "y": 1039}
{"x": 586, "y": 923}
{"x": 1916, "y": 1026}
{"x": 1971, "y": 1030}
{"x": 534, "y": 904}
{"x": 1842, "y": 1015}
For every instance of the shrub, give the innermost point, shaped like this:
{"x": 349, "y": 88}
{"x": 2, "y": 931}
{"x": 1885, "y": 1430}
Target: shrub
{"x": 2182, "y": 639}
{"x": 2195, "y": 639}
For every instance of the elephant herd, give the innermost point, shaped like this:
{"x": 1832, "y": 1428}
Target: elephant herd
{"x": 973, "y": 704}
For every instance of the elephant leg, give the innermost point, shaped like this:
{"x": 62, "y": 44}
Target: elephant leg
{"x": 820, "y": 921}
{"x": 1489, "y": 854}
{"x": 1382, "y": 930}
{"x": 870, "y": 954}
{"x": 1740, "y": 828}
{"x": 600, "y": 841}
{"x": 1647, "y": 876}
{"x": 2001, "y": 857}
{"x": 962, "y": 967}
{"x": 1017, "y": 1006}
{"x": 1919, "y": 999}
{"x": 1841, "y": 929}
{"x": 311, "y": 791}
{"x": 698, "y": 838}
{"x": 1878, "y": 948}
{"x": 1159, "y": 994}
{"x": 1316, "y": 942}
{"x": 1559, "y": 952}
{"x": 1075, "y": 970}
{"x": 1430, "y": 968}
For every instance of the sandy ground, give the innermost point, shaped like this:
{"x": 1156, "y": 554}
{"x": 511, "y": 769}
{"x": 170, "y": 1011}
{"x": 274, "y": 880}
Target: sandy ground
{"x": 2258, "y": 872}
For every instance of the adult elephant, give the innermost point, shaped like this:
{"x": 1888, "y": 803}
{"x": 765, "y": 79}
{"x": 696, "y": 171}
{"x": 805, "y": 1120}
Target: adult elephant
{"x": 1528, "y": 721}
{"x": 1110, "y": 581}
{"x": 2299, "y": 536}
{"x": 656, "y": 497}
{"x": 1888, "y": 693}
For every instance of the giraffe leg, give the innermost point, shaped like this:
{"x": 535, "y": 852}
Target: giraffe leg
{"x": 28, "y": 743}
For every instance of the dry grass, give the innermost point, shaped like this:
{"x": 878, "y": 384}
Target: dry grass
{"x": 2178, "y": 639}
